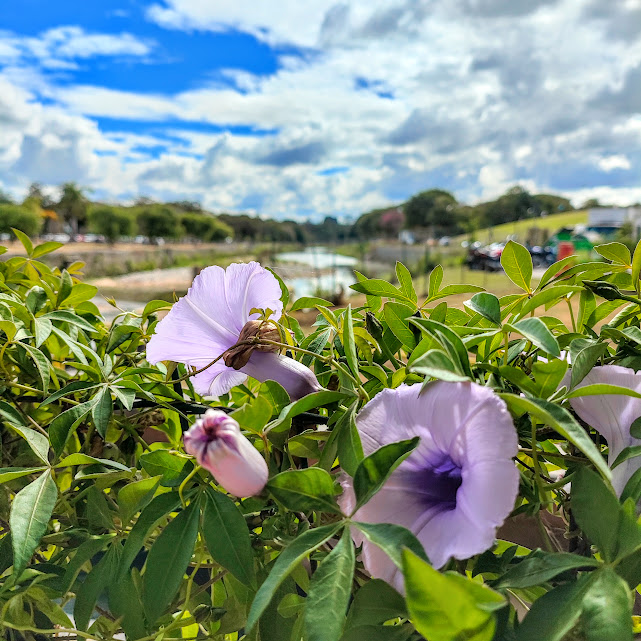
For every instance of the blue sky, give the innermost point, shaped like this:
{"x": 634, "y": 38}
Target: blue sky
{"x": 321, "y": 108}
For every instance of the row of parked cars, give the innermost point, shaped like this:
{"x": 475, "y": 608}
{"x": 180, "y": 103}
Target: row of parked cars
{"x": 96, "y": 238}
{"x": 488, "y": 257}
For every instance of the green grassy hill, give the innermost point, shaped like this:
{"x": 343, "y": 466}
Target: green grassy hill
{"x": 519, "y": 228}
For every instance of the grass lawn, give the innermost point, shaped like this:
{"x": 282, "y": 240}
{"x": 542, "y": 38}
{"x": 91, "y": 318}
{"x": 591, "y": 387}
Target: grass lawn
{"x": 520, "y": 228}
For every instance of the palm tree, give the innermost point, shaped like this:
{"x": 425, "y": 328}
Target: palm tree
{"x": 73, "y": 206}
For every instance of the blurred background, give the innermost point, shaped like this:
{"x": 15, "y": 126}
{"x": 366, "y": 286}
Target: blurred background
{"x": 153, "y": 137}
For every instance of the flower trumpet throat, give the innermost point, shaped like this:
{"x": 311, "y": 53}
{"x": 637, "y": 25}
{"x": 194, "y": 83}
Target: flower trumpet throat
{"x": 249, "y": 340}
{"x": 219, "y": 446}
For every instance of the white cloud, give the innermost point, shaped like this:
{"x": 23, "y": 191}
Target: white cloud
{"x": 609, "y": 163}
{"x": 407, "y": 94}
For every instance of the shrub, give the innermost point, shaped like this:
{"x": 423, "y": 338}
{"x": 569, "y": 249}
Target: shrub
{"x": 413, "y": 429}
{"x": 159, "y": 222}
{"x": 205, "y": 227}
{"x": 22, "y": 218}
{"x": 110, "y": 222}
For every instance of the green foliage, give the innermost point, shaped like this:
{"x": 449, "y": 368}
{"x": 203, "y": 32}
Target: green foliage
{"x": 125, "y": 531}
{"x": 110, "y": 222}
{"x": 17, "y": 217}
{"x": 204, "y": 227}
{"x": 159, "y": 222}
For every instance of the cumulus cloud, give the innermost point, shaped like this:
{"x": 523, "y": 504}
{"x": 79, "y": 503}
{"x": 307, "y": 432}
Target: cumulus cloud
{"x": 468, "y": 95}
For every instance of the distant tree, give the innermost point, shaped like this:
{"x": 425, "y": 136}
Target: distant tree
{"x": 21, "y": 218}
{"x": 35, "y": 193}
{"x": 515, "y": 204}
{"x": 5, "y": 198}
{"x": 73, "y": 206}
{"x": 111, "y": 222}
{"x": 187, "y": 205}
{"x": 433, "y": 209}
{"x": 205, "y": 227}
{"x": 159, "y": 222}
{"x": 553, "y": 204}
{"x": 367, "y": 225}
{"x": 391, "y": 222}
{"x": 591, "y": 203}
{"x": 144, "y": 201}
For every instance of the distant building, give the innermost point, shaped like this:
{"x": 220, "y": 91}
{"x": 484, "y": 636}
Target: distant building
{"x": 613, "y": 216}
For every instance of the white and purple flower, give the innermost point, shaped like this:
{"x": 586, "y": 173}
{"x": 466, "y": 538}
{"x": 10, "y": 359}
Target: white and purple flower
{"x": 459, "y": 484}
{"x": 612, "y": 415}
{"x": 210, "y": 320}
{"x": 218, "y": 445}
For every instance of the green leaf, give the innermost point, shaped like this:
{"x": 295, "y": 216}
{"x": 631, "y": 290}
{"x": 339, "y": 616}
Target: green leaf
{"x": 329, "y": 593}
{"x": 555, "y": 613}
{"x": 562, "y": 421}
{"x": 600, "y": 389}
{"x": 85, "y": 552}
{"x": 72, "y": 319}
{"x": 153, "y": 306}
{"x": 554, "y": 269}
{"x": 607, "y": 608}
{"x": 378, "y": 287}
{"x": 36, "y": 299}
{"x": 159, "y": 508}
{"x": 487, "y": 305}
{"x": 448, "y": 607}
{"x": 227, "y": 536}
{"x": 31, "y": 510}
{"x": 67, "y": 390}
{"x": 42, "y": 330}
{"x": 125, "y": 602}
{"x": 540, "y": 567}
{"x": 376, "y": 468}
{"x": 452, "y": 290}
{"x": 548, "y": 296}
{"x": 436, "y": 278}
{"x": 396, "y": 315}
{"x": 437, "y": 364}
{"x": 305, "y": 490}
{"x": 94, "y": 585}
{"x": 636, "y": 264}
{"x": 375, "y": 603}
{"x": 348, "y": 341}
{"x": 392, "y": 539}
{"x": 37, "y": 442}
{"x": 517, "y": 263}
{"x": 348, "y": 441}
{"x": 41, "y": 362}
{"x": 9, "y": 473}
{"x": 25, "y": 240}
{"x": 167, "y": 562}
{"x": 379, "y": 633}
{"x": 632, "y": 489}
{"x": 102, "y": 410}
{"x": 66, "y": 285}
{"x": 548, "y": 376}
{"x": 600, "y": 515}
{"x": 80, "y": 293}
{"x": 311, "y": 401}
{"x": 309, "y": 302}
{"x": 84, "y": 459}
{"x": 135, "y": 496}
{"x": 288, "y": 559}
{"x": 616, "y": 252}
{"x": 536, "y": 331}
{"x": 627, "y": 452}
{"x": 405, "y": 281}
{"x": 65, "y": 423}
{"x": 46, "y": 248}
{"x": 584, "y": 359}
{"x": 162, "y": 463}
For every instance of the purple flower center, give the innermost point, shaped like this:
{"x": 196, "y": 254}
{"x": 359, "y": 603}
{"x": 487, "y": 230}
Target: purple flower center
{"x": 438, "y": 485}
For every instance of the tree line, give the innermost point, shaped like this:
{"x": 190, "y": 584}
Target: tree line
{"x": 434, "y": 213}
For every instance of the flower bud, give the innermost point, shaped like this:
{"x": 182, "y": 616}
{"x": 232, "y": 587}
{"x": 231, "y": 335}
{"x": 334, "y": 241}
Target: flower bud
{"x": 238, "y": 355}
{"x": 218, "y": 445}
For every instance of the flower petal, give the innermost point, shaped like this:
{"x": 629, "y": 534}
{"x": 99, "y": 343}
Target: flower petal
{"x": 612, "y": 415}
{"x": 248, "y": 285}
{"x": 297, "y": 379}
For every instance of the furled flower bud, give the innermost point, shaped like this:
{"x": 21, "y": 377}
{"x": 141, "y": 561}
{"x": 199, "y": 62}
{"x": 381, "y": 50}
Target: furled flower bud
{"x": 238, "y": 355}
{"x": 218, "y": 445}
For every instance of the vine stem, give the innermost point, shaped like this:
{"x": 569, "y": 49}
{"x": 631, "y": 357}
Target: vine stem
{"x": 181, "y": 489}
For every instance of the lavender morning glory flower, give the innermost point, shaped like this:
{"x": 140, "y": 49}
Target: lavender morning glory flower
{"x": 211, "y": 319}
{"x": 460, "y": 483}
{"x": 218, "y": 445}
{"x": 612, "y": 415}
